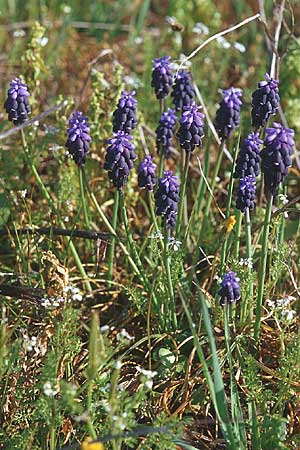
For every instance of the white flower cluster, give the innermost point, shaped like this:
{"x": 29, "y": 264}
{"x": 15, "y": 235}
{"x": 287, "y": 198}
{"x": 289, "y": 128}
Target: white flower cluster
{"x": 148, "y": 376}
{"x": 123, "y": 335}
{"x": 30, "y": 343}
{"x": 222, "y": 42}
{"x": 200, "y": 28}
{"x": 174, "y": 244}
{"x": 72, "y": 294}
{"x": 282, "y": 305}
{"x": 248, "y": 262}
{"x": 48, "y": 389}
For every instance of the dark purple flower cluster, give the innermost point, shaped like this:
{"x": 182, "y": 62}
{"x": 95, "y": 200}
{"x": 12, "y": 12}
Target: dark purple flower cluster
{"x": 276, "y": 155}
{"x": 265, "y": 101}
{"x": 167, "y": 197}
{"x": 230, "y": 291}
{"x": 124, "y": 117}
{"x": 119, "y": 158}
{"x": 162, "y": 77}
{"x": 78, "y": 143}
{"x": 248, "y": 160}
{"x": 183, "y": 92}
{"x": 17, "y": 104}
{"x": 246, "y": 194}
{"x": 228, "y": 114}
{"x": 146, "y": 173}
{"x": 191, "y": 132}
{"x": 165, "y": 132}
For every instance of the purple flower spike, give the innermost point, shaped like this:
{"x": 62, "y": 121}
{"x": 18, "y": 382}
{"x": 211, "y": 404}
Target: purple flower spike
{"x": 228, "y": 114}
{"x": 246, "y": 194}
{"x": 265, "y": 101}
{"x": 17, "y": 102}
{"x": 167, "y": 197}
{"x": 191, "y": 132}
{"x": 146, "y": 173}
{"x": 78, "y": 143}
{"x": 183, "y": 92}
{"x": 248, "y": 160}
{"x": 276, "y": 155}
{"x": 162, "y": 77}
{"x": 119, "y": 158}
{"x": 165, "y": 132}
{"x": 230, "y": 291}
{"x": 124, "y": 117}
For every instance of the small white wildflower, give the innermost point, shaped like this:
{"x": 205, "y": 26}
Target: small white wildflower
{"x": 149, "y": 384}
{"x": 118, "y": 364}
{"x": 289, "y": 314}
{"x": 174, "y": 244}
{"x": 240, "y": 47}
{"x": 104, "y": 329}
{"x": 286, "y": 214}
{"x": 176, "y": 64}
{"x": 283, "y": 302}
{"x": 23, "y": 193}
{"x": 66, "y": 218}
{"x": 283, "y": 198}
{"x": 223, "y": 42}
{"x": 66, "y": 9}
{"x": 133, "y": 81}
{"x": 48, "y": 390}
{"x": 200, "y": 28}
{"x": 156, "y": 235}
{"x": 19, "y": 33}
{"x": 138, "y": 40}
{"x": 77, "y": 297}
{"x": 43, "y": 41}
{"x": 124, "y": 335}
{"x": 271, "y": 303}
{"x": 171, "y": 20}
{"x": 36, "y": 123}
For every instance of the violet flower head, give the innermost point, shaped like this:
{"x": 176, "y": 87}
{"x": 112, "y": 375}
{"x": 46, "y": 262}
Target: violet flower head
{"x": 183, "y": 92}
{"x": 191, "y": 132}
{"x": 165, "y": 132}
{"x": 248, "y": 159}
{"x": 246, "y": 194}
{"x": 276, "y": 155}
{"x": 17, "y": 102}
{"x": 167, "y": 198}
{"x": 124, "y": 117}
{"x": 162, "y": 76}
{"x": 119, "y": 158}
{"x": 230, "y": 291}
{"x": 147, "y": 173}
{"x": 78, "y": 143}
{"x": 228, "y": 114}
{"x": 265, "y": 101}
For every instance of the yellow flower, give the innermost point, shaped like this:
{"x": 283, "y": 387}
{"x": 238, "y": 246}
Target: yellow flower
{"x": 88, "y": 444}
{"x": 230, "y": 224}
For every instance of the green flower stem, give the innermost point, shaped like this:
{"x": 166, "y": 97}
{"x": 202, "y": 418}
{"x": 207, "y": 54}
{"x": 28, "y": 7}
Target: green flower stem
{"x": 161, "y": 152}
{"x": 236, "y": 251}
{"x": 84, "y": 206}
{"x": 112, "y": 247}
{"x": 182, "y": 193}
{"x": 109, "y": 226}
{"x": 263, "y": 267}
{"x": 133, "y": 250}
{"x": 48, "y": 198}
{"x": 173, "y": 318}
{"x": 207, "y": 210}
{"x": 249, "y": 258}
{"x": 154, "y": 220}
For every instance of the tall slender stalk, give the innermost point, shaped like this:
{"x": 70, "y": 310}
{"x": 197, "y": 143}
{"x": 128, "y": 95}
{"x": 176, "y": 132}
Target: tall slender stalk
{"x": 111, "y": 252}
{"x": 161, "y": 153}
{"x": 48, "y": 198}
{"x": 182, "y": 193}
{"x": 239, "y": 217}
{"x": 84, "y": 206}
{"x": 173, "y": 318}
{"x": 263, "y": 267}
{"x": 249, "y": 258}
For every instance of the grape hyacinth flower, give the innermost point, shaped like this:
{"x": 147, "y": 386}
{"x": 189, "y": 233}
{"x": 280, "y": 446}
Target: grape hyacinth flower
{"x": 230, "y": 291}
{"x": 165, "y": 132}
{"x": 228, "y": 114}
{"x": 246, "y": 194}
{"x": 276, "y": 155}
{"x": 78, "y": 143}
{"x": 248, "y": 160}
{"x": 17, "y": 102}
{"x": 119, "y": 158}
{"x": 162, "y": 77}
{"x": 265, "y": 101}
{"x": 124, "y": 117}
{"x": 191, "y": 132}
{"x": 146, "y": 173}
{"x": 167, "y": 197}
{"x": 183, "y": 92}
